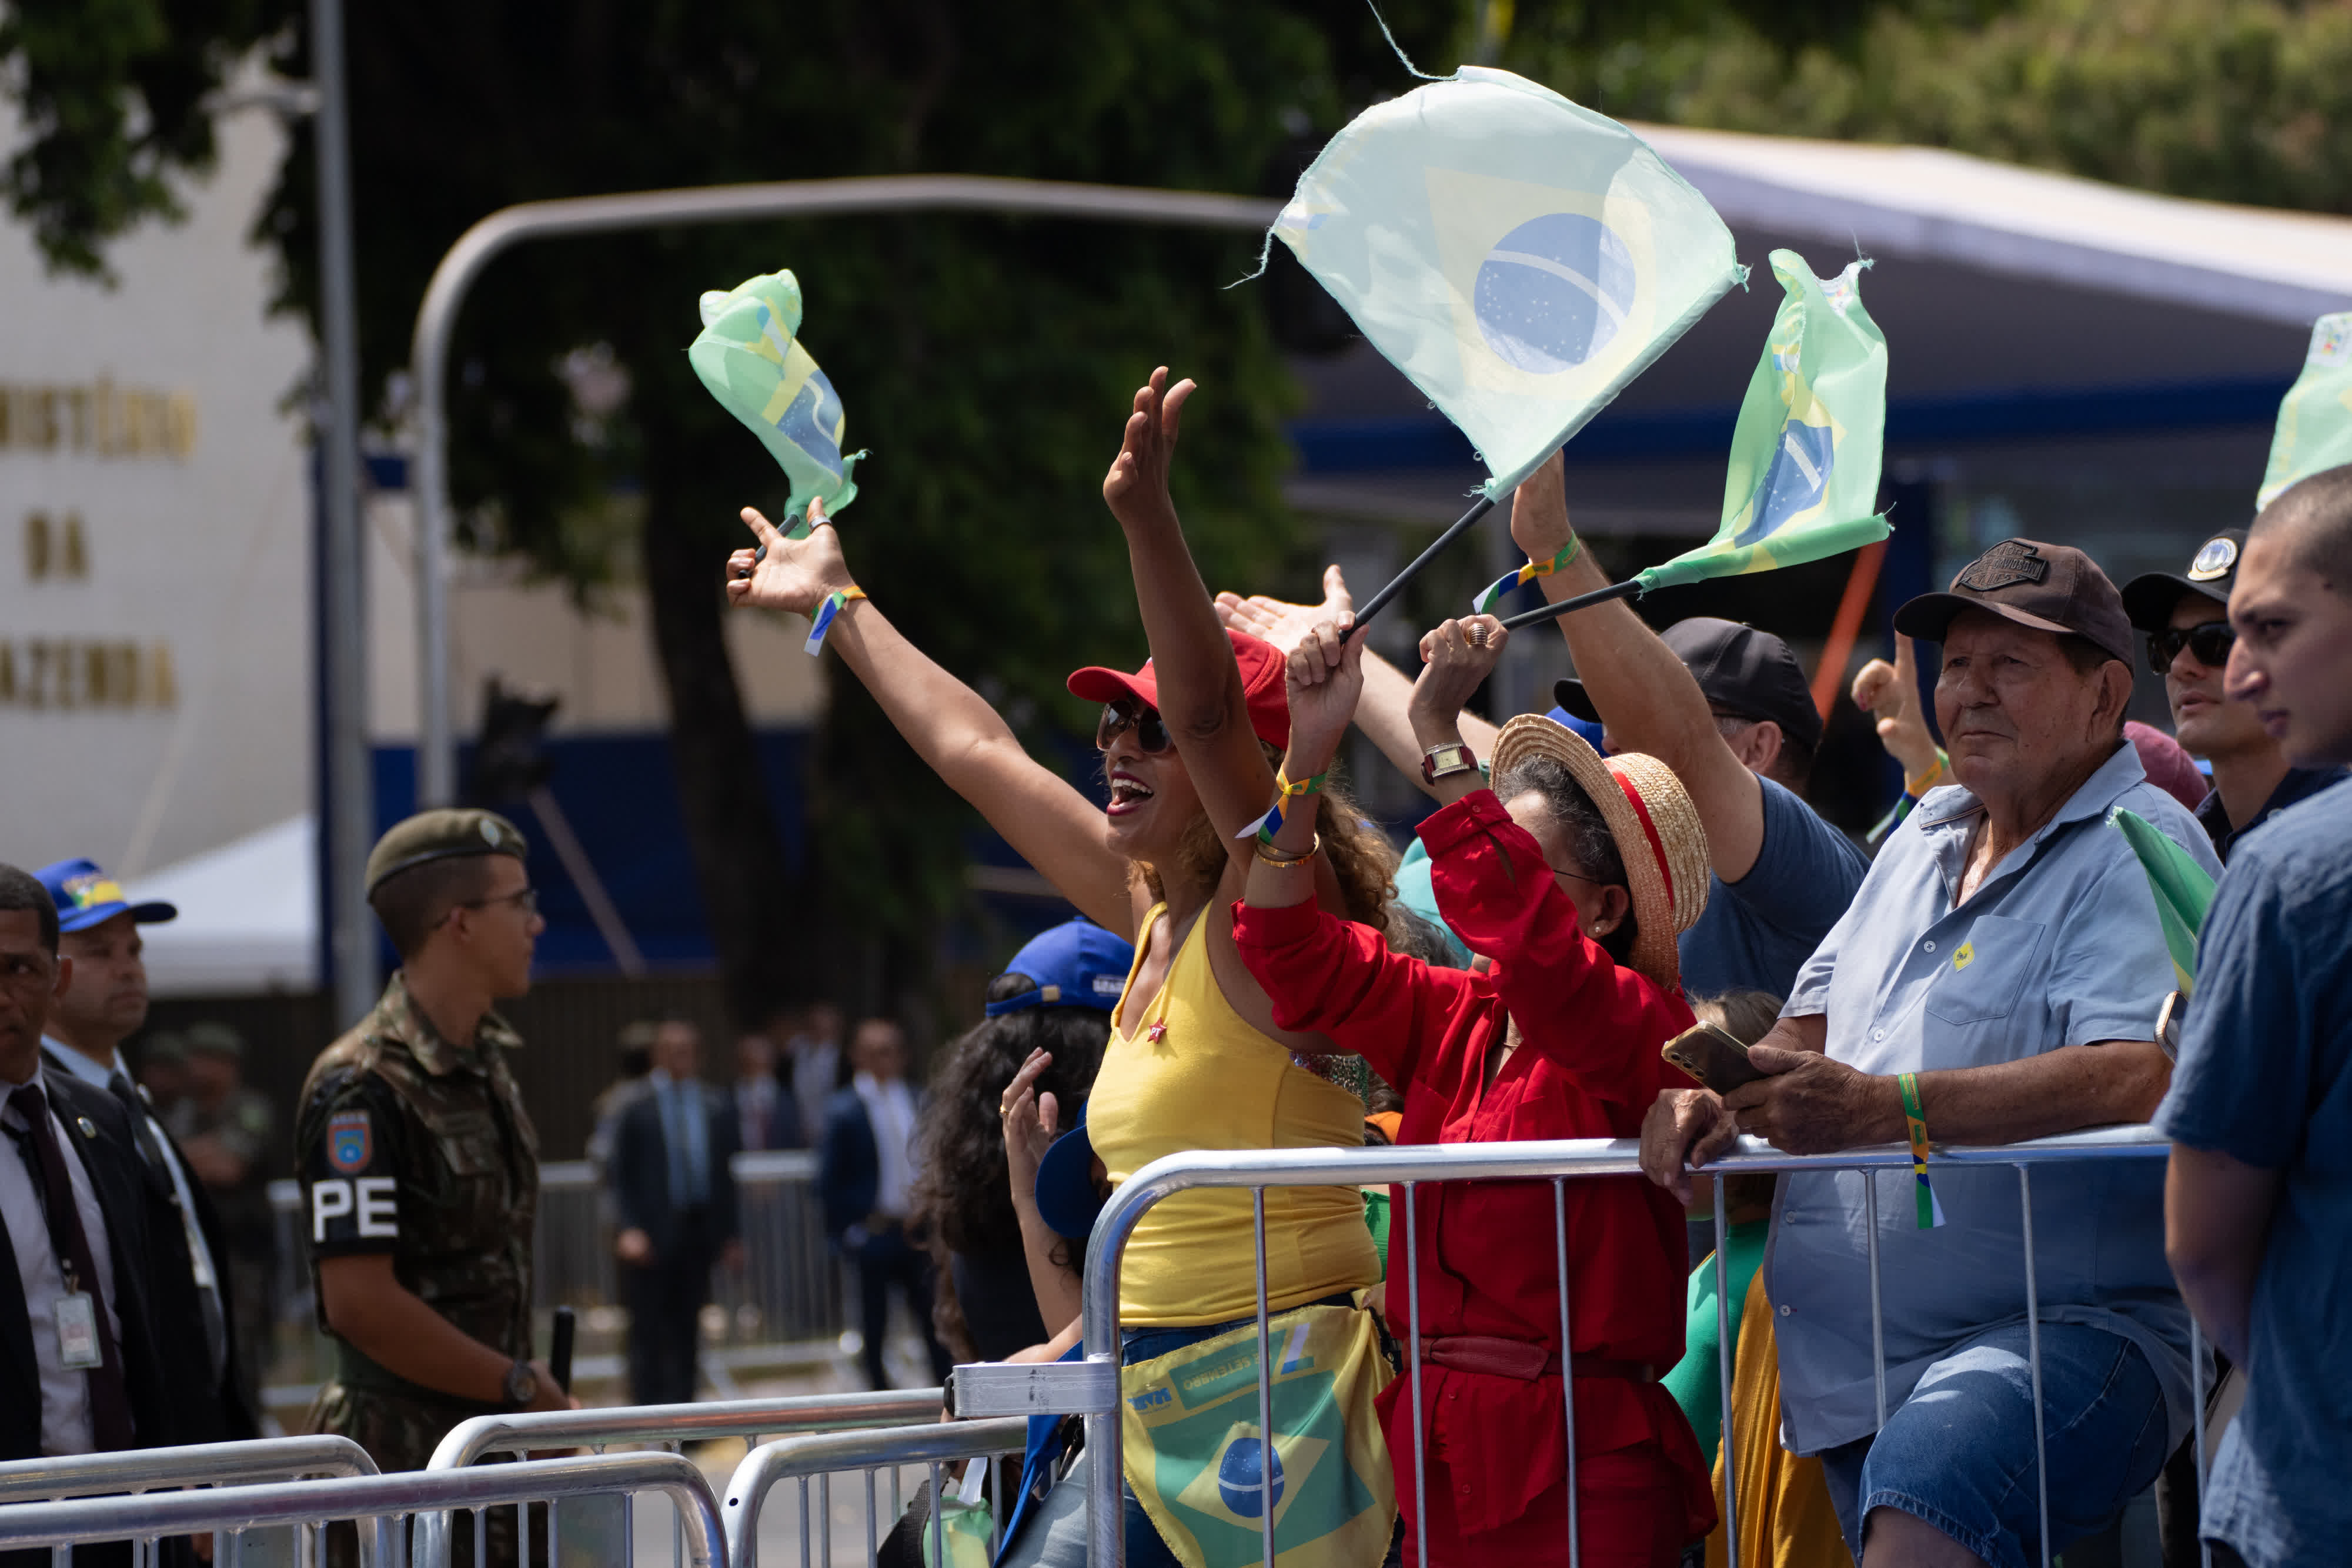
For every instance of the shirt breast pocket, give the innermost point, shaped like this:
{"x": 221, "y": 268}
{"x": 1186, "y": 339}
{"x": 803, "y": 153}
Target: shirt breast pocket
{"x": 1981, "y": 979}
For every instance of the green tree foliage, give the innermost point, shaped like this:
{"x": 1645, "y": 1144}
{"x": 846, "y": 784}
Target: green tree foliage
{"x": 987, "y": 363}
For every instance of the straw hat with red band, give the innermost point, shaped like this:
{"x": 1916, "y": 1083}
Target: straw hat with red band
{"x": 1262, "y": 686}
{"x": 1656, "y": 827}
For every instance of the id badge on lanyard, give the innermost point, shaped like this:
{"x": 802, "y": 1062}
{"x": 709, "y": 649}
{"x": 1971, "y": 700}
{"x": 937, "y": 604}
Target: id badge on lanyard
{"x": 77, "y": 1345}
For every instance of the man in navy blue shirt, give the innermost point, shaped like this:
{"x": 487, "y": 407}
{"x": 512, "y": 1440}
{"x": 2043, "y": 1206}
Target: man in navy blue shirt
{"x": 2187, "y": 619}
{"x": 2258, "y": 1200}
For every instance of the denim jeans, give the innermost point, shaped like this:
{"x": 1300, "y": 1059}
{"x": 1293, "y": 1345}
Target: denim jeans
{"x": 1958, "y": 1453}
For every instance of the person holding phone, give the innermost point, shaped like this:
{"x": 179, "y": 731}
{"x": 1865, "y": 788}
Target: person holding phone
{"x": 1573, "y": 876}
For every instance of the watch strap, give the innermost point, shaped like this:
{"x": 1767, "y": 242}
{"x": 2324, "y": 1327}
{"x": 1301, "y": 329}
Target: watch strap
{"x": 1445, "y": 761}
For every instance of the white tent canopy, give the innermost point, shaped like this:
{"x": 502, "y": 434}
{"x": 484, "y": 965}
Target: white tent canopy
{"x": 249, "y": 916}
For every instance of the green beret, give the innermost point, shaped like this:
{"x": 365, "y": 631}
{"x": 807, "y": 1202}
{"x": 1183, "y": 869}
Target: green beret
{"x": 211, "y": 1039}
{"x": 161, "y": 1046}
{"x": 441, "y": 835}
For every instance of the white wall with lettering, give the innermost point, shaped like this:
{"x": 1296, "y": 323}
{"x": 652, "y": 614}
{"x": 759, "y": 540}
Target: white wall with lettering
{"x": 155, "y": 626}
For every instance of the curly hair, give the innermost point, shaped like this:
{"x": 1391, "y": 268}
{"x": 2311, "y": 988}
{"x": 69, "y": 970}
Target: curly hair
{"x": 1589, "y": 838}
{"x": 961, "y": 1191}
{"x": 1362, "y": 856}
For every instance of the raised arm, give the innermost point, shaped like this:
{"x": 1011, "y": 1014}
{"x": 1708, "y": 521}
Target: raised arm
{"x": 1646, "y": 698}
{"x": 953, "y": 729}
{"x": 1200, "y": 696}
{"x": 1381, "y": 708}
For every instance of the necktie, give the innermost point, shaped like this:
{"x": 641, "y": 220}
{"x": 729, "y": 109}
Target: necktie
{"x": 110, "y": 1396}
{"x": 207, "y": 1281}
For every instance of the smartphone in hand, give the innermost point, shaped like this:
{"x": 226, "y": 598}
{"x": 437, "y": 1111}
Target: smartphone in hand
{"x": 1715, "y": 1057}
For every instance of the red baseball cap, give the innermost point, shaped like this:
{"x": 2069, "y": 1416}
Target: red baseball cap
{"x": 1262, "y": 686}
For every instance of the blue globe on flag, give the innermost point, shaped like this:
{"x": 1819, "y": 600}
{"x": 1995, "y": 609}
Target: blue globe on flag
{"x": 1553, "y": 292}
{"x": 1795, "y": 482}
{"x": 1238, "y": 1477}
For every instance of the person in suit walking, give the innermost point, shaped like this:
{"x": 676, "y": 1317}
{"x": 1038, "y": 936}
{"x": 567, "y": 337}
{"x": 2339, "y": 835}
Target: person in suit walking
{"x": 674, "y": 1197}
{"x": 865, "y": 1177}
{"x": 764, "y": 1116}
{"x": 103, "y": 1003}
{"x": 78, "y": 1368}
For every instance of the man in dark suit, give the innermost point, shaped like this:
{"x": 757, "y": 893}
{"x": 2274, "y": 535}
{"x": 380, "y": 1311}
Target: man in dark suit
{"x": 866, "y": 1173}
{"x": 674, "y": 1197}
{"x": 102, "y": 1004}
{"x": 79, "y": 1367}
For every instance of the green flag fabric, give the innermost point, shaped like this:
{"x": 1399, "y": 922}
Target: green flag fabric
{"x": 1804, "y": 480}
{"x": 2183, "y": 890}
{"x": 748, "y": 354}
{"x": 2315, "y": 421}
{"x": 1520, "y": 257}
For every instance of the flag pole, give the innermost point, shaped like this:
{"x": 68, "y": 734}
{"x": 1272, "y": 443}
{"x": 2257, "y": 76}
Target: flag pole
{"x": 1629, "y": 588}
{"x": 1379, "y": 601}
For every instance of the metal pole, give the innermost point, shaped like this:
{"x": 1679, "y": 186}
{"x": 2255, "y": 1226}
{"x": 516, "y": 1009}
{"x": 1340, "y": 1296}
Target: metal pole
{"x": 350, "y": 799}
{"x": 436, "y": 321}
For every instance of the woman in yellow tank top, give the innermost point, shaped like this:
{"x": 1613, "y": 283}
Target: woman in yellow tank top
{"x": 1188, "y": 744}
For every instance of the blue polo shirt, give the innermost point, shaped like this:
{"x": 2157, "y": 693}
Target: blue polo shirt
{"x": 2059, "y": 945}
{"x": 1756, "y": 934}
{"x": 2266, "y": 1077}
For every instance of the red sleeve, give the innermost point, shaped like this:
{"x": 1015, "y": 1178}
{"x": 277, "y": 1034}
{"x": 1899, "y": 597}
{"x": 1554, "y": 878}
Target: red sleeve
{"x": 1330, "y": 976}
{"x": 1571, "y": 1000}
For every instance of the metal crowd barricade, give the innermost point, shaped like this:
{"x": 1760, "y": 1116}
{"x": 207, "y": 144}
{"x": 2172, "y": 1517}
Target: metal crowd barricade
{"x": 383, "y": 1499}
{"x": 667, "y": 1426}
{"x": 821, "y": 1456}
{"x": 137, "y": 1470}
{"x": 1091, "y": 1389}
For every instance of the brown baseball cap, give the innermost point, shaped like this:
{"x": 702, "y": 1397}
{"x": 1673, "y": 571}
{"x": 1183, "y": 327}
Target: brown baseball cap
{"x": 2051, "y": 588}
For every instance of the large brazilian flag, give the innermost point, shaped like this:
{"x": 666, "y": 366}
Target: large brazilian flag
{"x": 750, "y": 355}
{"x": 2315, "y": 421}
{"x": 1520, "y": 257}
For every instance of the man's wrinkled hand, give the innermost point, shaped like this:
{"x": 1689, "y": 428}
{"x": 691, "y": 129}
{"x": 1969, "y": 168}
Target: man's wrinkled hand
{"x": 1684, "y": 1128}
{"x": 1284, "y": 625}
{"x": 1812, "y": 1105}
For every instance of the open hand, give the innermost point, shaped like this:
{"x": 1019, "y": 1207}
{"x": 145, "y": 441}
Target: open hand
{"x": 1031, "y": 1123}
{"x": 1284, "y": 624}
{"x": 1458, "y": 657}
{"x": 1325, "y": 679}
{"x": 1812, "y": 1105}
{"x": 1540, "y": 511}
{"x": 794, "y": 574}
{"x": 1136, "y": 488}
{"x": 1684, "y": 1128}
{"x": 1891, "y": 692}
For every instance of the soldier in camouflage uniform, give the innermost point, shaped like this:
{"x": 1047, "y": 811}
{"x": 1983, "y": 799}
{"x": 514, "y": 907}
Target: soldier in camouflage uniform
{"x": 229, "y": 1134}
{"x": 419, "y": 1167}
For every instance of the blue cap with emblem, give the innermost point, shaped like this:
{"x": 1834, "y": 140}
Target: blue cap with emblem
{"x": 1077, "y": 964}
{"x": 87, "y": 896}
{"x": 2149, "y": 598}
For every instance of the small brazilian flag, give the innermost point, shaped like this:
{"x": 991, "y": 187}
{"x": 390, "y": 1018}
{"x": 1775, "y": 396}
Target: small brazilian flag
{"x": 1804, "y": 480}
{"x": 2314, "y": 422}
{"x": 2183, "y": 890}
{"x": 748, "y": 354}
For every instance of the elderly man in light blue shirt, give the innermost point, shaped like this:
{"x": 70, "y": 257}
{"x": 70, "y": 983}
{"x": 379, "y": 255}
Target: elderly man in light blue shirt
{"x": 2002, "y": 966}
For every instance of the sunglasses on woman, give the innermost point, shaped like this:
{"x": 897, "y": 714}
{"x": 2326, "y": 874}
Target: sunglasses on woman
{"x": 1119, "y": 717}
{"x": 2210, "y": 642}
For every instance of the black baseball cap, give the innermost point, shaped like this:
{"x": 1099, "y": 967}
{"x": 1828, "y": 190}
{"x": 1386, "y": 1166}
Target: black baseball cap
{"x": 1741, "y": 669}
{"x": 2051, "y": 588}
{"x": 2149, "y": 598}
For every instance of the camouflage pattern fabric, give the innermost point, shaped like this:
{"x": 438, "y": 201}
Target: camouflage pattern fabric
{"x": 410, "y": 1146}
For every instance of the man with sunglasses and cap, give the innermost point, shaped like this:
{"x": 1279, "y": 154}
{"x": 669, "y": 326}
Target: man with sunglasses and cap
{"x": 418, "y": 1165}
{"x": 2187, "y": 619}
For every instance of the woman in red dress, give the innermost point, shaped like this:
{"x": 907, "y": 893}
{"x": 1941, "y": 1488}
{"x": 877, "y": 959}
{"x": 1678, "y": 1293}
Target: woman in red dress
{"x": 1571, "y": 878}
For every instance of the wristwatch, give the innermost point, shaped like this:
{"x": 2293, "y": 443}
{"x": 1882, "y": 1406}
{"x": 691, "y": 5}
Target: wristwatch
{"x": 521, "y": 1385}
{"x": 1445, "y": 761}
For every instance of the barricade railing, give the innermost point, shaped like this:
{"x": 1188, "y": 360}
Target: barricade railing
{"x": 1091, "y": 1388}
{"x": 197, "y": 1464}
{"x": 821, "y": 1457}
{"x": 381, "y": 1499}
{"x": 666, "y": 1426}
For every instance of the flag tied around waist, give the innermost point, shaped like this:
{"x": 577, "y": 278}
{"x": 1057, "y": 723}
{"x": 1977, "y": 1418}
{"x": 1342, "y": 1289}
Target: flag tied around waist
{"x": 2315, "y": 421}
{"x": 748, "y": 354}
{"x": 1519, "y": 256}
{"x": 1804, "y": 478}
{"x": 2183, "y": 891}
